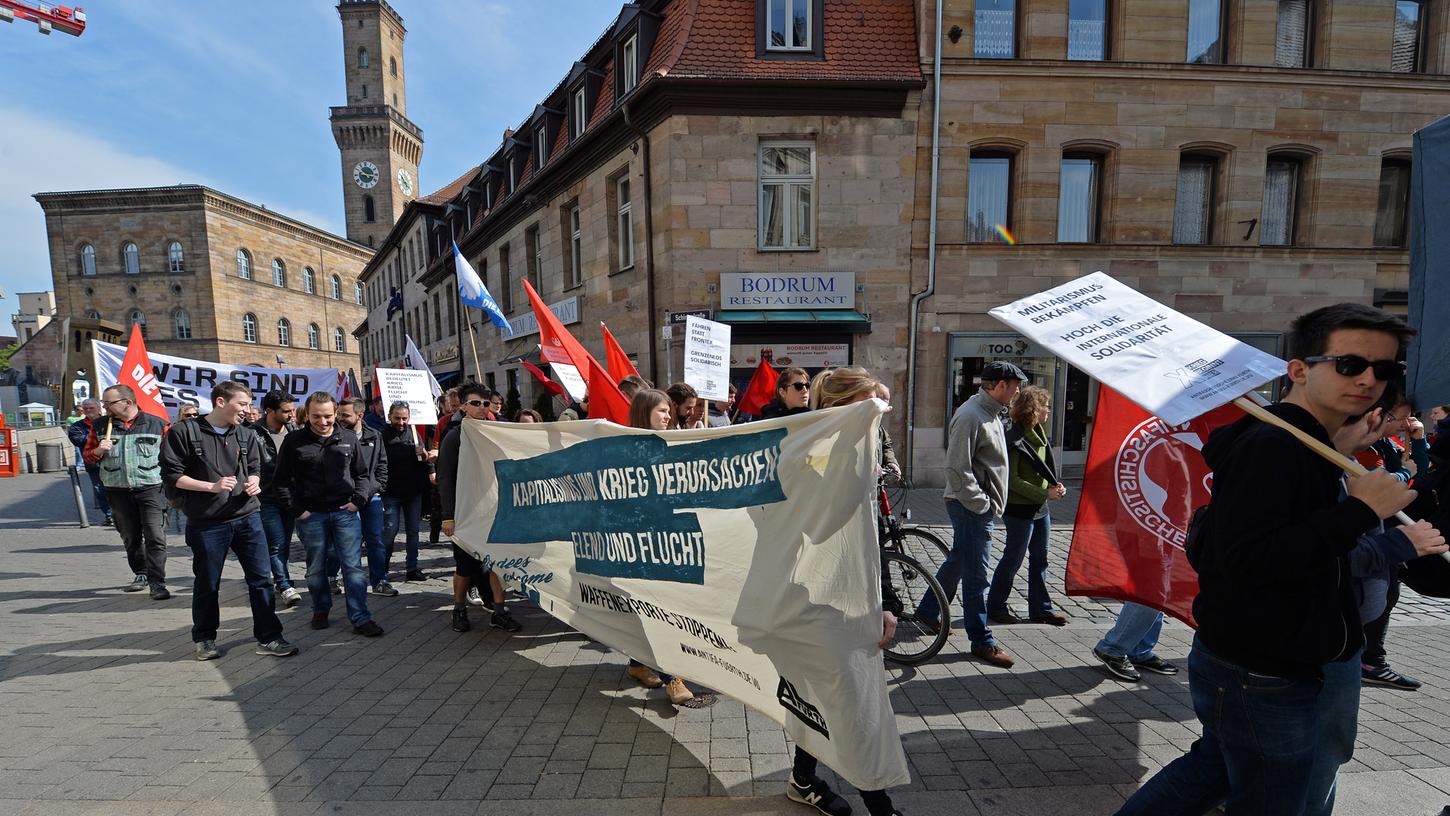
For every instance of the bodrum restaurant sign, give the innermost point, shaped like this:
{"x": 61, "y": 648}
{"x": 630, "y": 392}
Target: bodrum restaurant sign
{"x": 787, "y": 290}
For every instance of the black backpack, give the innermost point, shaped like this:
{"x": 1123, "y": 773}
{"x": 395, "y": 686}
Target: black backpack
{"x": 191, "y": 432}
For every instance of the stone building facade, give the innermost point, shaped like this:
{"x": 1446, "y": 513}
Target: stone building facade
{"x": 208, "y": 276}
{"x": 1243, "y": 161}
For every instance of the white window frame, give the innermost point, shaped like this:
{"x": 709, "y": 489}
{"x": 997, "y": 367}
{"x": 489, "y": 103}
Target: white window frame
{"x": 314, "y": 337}
{"x": 244, "y": 264}
{"x": 789, "y": 16}
{"x": 579, "y": 106}
{"x": 541, "y": 146}
{"x": 175, "y": 257}
{"x": 309, "y": 280}
{"x": 538, "y": 256}
{"x": 279, "y": 273}
{"x": 629, "y": 59}
{"x": 336, "y": 287}
{"x": 284, "y": 332}
{"x": 787, "y": 182}
{"x": 138, "y": 317}
{"x": 624, "y": 221}
{"x": 339, "y": 340}
{"x": 131, "y": 258}
{"x": 357, "y": 292}
{"x": 513, "y": 172}
{"x": 88, "y": 260}
{"x": 181, "y": 324}
{"x": 249, "y": 328}
{"x": 576, "y": 248}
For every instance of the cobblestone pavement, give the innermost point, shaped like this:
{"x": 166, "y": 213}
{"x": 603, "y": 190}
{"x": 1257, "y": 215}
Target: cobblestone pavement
{"x": 105, "y": 712}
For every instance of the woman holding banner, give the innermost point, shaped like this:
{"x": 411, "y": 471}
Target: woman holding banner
{"x": 1031, "y": 483}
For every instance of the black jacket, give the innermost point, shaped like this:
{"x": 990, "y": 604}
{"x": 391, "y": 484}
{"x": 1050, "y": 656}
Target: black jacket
{"x": 1275, "y": 594}
{"x": 776, "y": 408}
{"x": 320, "y": 474}
{"x": 268, "y": 449}
{"x": 196, "y": 451}
{"x": 370, "y": 447}
{"x": 407, "y": 476}
{"x": 447, "y": 469}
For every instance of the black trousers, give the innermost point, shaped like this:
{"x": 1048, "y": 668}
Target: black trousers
{"x": 139, "y": 517}
{"x": 1374, "y": 631}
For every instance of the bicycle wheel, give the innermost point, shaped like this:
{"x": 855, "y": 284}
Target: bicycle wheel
{"x": 906, "y": 583}
{"x": 923, "y": 545}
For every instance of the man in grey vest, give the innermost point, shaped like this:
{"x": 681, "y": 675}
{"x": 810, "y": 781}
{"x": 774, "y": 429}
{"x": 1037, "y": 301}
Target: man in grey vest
{"x": 126, "y": 446}
{"x": 976, "y": 493}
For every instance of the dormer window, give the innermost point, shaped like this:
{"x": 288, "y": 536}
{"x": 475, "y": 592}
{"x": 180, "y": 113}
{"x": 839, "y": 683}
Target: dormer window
{"x": 513, "y": 172}
{"x": 629, "y": 63}
{"x": 578, "y": 116}
{"x": 789, "y": 29}
{"x": 541, "y": 146}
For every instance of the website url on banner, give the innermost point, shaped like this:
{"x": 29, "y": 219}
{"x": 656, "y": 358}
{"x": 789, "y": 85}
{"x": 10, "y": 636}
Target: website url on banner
{"x": 703, "y": 655}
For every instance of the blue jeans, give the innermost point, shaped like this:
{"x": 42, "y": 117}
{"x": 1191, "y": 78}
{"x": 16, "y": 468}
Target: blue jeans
{"x": 277, "y": 523}
{"x": 1257, "y": 751}
{"x": 1135, "y": 634}
{"x": 1029, "y": 537}
{"x": 336, "y": 534}
{"x": 209, "y": 546}
{"x": 371, "y": 518}
{"x": 966, "y": 563}
{"x": 406, "y": 513}
{"x": 1338, "y": 719}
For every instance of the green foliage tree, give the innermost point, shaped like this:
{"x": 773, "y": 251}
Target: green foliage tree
{"x": 5, "y": 356}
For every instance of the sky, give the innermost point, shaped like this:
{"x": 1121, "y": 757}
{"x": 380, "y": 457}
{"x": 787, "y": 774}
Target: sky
{"x": 236, "y": 95}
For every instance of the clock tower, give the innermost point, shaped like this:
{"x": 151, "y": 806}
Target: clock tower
{"x": 380, "y": 146}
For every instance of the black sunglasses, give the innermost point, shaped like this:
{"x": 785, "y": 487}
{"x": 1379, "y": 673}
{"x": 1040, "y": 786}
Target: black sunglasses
{"x": 475, "y": 403}
{"x": 799, "y": 386}
{"x": 1352, "y": 365}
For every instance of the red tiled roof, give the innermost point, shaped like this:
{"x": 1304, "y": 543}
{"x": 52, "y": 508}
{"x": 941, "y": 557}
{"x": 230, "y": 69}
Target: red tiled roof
{"x": 447, "y": 193}
{"x": 605, "y": 103}
{"x": 864, "y": 40}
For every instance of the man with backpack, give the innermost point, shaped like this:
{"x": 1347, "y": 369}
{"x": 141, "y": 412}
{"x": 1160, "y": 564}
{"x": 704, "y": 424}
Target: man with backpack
{"x": 211, "y": 464}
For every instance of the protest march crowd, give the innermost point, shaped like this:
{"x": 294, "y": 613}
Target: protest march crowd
{"x": 1299, "y": 564}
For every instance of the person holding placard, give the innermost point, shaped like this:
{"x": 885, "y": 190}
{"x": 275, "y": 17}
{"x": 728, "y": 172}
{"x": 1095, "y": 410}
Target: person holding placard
{"x": 1276, "y": 607}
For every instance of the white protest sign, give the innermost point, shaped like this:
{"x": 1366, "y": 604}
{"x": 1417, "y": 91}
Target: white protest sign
{"x": 743, "y": 558}
{"x": 413, "y": 387}
{"x": 1172, "y": 365}
{"x": 707, "y": 357}
{"x": 187, "y": 381}
{"x": 564, "y": 371}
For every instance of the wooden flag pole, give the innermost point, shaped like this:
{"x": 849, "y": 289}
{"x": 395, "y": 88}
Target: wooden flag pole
{"x": 477, "y": 369}
{"x": 1251, "y": 405}
{"x": 109, "y": 421}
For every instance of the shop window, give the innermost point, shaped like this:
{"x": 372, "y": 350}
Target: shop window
{"x": 1193, "y": 210}
{"x": 1207, "y": 31}
{"x": 1392, "y": 215}
{"x": 989, "y": 195}
{"x": 1282, "y": 178}
{"x": 1087, "y": 30}
{"x": 787, "y": 196}
{"x": 995, "y": 34}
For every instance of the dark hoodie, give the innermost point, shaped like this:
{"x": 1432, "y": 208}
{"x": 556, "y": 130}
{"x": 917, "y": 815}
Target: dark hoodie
{"x": 776, "y": 408}
{"x": 322, "y": 473}
{"x": 1275, "y": 591}
{"x": 190, "y": 449}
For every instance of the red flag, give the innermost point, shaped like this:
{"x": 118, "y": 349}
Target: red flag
{"x": 606, "y": 401}
{"x": 1143, "y": 481}
{"x": 136, "y": 372}
{"x": 572, "y": 364}
{"x": 549, "y": 385}
{"x": 619, "y": 363}
{"x": 760, "y": 391}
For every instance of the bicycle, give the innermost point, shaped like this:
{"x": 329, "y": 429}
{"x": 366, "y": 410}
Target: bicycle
{"x": 906, "y": 581}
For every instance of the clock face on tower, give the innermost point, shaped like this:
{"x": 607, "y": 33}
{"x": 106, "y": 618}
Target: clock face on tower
{"x": 365, "y": 174}
{"x": 405, "y": 182}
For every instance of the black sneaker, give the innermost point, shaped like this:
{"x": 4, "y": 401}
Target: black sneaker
{"x": 368, "y": 629}
{"x": 336, "y": 585}
{"x": 818, "y": 795}
{"x": 159, "y": 592}
{"x": 1388, "y": 677}
{"x": 415, "y": 575}
{"x": 277, "y": 648}
{"x": 139, "y": 583}
{"x": 460, "y": 618}
{"x": 384, "y": 588}
{"x": 319, "y": 620}
{"x": 501, "y": 619}
{"x": 1119, "y": 667}
{"x": 110, "y": 522}
{"x": 1155, "y": 664}
{"x": 207, "y": 650}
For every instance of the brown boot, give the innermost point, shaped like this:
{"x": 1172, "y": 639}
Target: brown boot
{"x": 995, "y": 655}
{"x": 1053, "y": 619}
{"x": 678, "y": 693}
{"x": 645, "y": 676}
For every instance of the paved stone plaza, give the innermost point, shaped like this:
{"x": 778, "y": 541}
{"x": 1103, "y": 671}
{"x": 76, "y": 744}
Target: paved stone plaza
{"x": 105, "y": 711}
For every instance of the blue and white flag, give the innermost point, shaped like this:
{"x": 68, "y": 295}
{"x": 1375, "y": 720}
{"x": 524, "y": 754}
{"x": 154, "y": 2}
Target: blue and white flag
{"x": 472, "y": 291}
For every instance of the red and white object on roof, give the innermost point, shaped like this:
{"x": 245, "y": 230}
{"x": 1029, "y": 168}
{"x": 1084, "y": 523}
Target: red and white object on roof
{"x": 47, "y": 16}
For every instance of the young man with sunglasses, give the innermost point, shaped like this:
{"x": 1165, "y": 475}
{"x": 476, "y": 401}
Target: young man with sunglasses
{"x": 1277, "y": 607}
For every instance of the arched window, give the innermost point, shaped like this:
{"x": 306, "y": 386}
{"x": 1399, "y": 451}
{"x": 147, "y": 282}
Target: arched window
{"x": 88, "y": 260}
{"x": 339, "y": 339}
{"x": 249, "y": 328}
{"x": 279, "y": 272}
{"x": 357, "y": 293}
{"x": 393, "y": 65}
{"x": 175, "y": 257}
{"x": 284, "y": 332}
{"x": 244, "y": 264}
{"x": 336, "y": 288}
{"x": 93, "y": 314}
{"x": 309, "y": 280}
{"x": 181, "y": 325}
{"x": 131, "y": 259}
{"x": 314, "y": 336}
{"x": 138, "y": 318}
{"x": 362, "y": 58}
{"x": 370, "y": 213}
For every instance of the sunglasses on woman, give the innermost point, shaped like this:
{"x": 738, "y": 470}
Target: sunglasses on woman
{"x": 1352, "y": 365}
{"x": 799, "y": 386}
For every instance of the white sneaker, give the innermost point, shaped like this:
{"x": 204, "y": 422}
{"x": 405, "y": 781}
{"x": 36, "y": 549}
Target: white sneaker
{"x": 290, "y": 597}
{"x": 474, "y": 598}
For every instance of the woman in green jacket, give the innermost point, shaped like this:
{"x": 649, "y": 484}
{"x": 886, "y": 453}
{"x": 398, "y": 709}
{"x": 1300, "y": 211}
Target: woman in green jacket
{"x": 1031, "y": 483}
